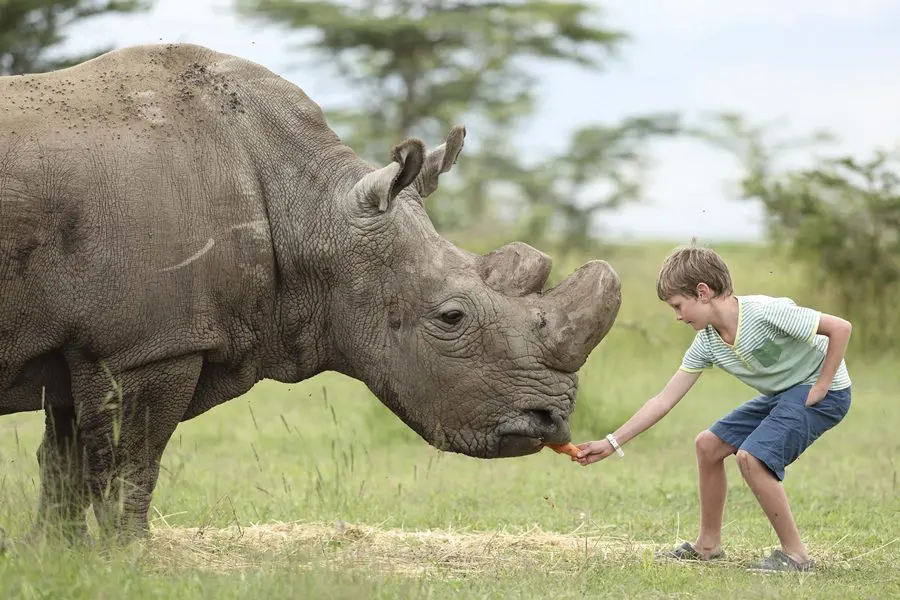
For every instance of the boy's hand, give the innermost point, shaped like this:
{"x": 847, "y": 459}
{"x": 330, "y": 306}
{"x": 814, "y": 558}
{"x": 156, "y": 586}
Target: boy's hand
{"x": 591, "y": 452}
{"x": 816, "y": 393}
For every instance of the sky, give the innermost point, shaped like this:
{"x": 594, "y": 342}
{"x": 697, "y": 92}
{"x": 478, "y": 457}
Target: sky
{"x": 807, "y": 64}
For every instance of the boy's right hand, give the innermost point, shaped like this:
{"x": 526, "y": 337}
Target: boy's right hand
{"x": 591, "y": 452}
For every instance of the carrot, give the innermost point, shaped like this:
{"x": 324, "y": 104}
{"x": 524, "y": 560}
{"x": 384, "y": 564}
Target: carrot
{"x": 569, "y": 448}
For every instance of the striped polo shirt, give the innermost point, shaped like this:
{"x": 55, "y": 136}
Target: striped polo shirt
{"x": 776, "y": 347}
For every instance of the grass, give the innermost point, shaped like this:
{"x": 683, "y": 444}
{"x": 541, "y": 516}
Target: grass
{"x": 317, "y": 490}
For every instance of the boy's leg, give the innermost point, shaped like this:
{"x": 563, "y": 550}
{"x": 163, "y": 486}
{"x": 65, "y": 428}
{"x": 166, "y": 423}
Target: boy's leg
{"x": 713, "y": 484}
{"x": 713, "y": 446}
{"x": 771, "y": 496}
{"x": 778, "y": 441}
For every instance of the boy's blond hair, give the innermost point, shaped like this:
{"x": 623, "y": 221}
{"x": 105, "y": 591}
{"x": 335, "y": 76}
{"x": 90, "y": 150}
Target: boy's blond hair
{"x": 688, "y": 266}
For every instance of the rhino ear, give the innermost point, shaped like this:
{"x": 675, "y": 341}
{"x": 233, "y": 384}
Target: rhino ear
{"x": 440, "y": 160}
{"x": 380, "y": 187}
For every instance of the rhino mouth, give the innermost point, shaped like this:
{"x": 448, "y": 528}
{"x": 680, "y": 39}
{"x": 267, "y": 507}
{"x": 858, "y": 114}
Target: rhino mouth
{"x": 514, "y": 444}
{"x": 537, "y": 427}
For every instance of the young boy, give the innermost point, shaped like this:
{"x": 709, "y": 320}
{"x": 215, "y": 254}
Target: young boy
{"x": 794, "y": 357}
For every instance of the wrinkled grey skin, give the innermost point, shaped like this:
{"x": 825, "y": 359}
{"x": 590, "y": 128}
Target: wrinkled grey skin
{"x": 183, "y": 223}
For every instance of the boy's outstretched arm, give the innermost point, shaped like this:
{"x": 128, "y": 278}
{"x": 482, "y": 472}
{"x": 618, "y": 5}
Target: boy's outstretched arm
{"x": 838, "y": 332}
{"x": 652, "y": 411}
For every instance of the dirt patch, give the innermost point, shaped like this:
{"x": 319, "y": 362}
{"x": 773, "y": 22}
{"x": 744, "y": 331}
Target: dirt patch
{"x": 389, "y": 550}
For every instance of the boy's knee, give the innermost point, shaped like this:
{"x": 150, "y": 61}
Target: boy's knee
{"x": 745, "y": 461}
{"x": 754, "y": 469}
{"x": 710, "y": 447}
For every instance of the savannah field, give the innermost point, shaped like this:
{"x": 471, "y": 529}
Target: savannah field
{"x": 317, "y": 490}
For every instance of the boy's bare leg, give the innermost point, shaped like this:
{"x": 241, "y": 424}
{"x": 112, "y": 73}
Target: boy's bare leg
{"x": 711, "y": 455}
{"x": 773, "y": 499}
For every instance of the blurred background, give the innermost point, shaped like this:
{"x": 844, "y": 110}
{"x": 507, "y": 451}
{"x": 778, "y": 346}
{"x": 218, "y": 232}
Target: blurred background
{"x": 590, "y": 124}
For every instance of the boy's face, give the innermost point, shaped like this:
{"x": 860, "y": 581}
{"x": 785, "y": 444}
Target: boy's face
{"x": 693, "y": 311}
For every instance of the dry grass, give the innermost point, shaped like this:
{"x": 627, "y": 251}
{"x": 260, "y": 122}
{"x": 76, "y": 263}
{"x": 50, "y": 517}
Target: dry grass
{"x": 396, "y": 551}
{"x": 388, "y": 550}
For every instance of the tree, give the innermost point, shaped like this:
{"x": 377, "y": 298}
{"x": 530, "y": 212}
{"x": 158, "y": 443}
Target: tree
{"x": 420, "y": 65}
{"x": 557, "y": 199}
{"x": 30, "y": 28}
{"x": 840, "y": 217}
{"x": 600, "y": 170}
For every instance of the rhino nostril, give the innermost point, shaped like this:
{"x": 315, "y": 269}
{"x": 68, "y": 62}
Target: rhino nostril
{"x": 543, "y": 418}
{"x": 548, "y": 425}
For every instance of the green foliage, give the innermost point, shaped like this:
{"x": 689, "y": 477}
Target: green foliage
{"x": 555, "y": 200}
{"x": 839, "y": 216}
{"x": 31, "y": 28}
{"x": 599, "y": 171}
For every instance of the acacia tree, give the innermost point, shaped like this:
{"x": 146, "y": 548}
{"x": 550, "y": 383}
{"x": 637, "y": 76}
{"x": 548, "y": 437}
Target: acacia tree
{"x": 419, "y": 67}
{"x": 29, "y": 29}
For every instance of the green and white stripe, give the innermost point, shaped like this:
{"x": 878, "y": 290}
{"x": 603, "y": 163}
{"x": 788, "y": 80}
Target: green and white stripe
{"x": 776, "y": 347}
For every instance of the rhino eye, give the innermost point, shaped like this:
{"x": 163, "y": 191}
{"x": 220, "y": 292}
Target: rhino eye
{"x": 451, "y": 317}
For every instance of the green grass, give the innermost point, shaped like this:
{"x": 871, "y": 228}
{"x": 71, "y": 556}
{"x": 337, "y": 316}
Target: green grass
{"x": 327, "y": 451}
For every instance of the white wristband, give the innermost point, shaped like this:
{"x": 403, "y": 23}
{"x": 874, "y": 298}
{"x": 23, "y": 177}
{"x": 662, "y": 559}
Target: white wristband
{"x": 615, "y": 444}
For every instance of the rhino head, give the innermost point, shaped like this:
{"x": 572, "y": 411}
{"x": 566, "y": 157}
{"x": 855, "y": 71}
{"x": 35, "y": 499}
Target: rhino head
{"x": 467, "y": 349}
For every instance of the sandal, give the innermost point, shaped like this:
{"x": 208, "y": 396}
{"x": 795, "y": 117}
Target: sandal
{"x": 779, "y": 562}
{"x": 686, "y": 551}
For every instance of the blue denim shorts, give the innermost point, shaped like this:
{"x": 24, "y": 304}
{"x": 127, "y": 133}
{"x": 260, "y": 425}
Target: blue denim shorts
{"x": 777, "y": 429}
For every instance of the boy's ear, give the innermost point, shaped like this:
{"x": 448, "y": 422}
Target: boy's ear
{"x": 703, "y": 292}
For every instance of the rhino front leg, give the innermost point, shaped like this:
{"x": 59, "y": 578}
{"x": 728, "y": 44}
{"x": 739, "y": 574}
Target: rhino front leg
{"x": 126, "y": 420}
{"x": 64, "y": 496}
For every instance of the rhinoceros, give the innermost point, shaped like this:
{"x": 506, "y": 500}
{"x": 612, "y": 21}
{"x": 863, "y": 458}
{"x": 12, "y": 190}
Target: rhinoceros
{"x": 177, "y": 224}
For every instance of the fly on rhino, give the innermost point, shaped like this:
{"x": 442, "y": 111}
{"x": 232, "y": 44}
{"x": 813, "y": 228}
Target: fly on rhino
{"x": 179, "y": 224}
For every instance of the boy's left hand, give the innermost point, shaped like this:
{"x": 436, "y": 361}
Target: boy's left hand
{"x": 816, "y": 393}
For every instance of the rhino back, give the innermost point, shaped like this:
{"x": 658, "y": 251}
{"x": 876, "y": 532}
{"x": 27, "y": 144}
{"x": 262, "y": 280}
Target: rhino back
{"x": 133, "y": 224}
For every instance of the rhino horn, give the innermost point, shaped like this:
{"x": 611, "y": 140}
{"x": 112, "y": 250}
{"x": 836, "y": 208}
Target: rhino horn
{"x": 516, "y": 269}
{"x": 379, "y": 187}
{"x": 578, "y": 313}
{"x": 440, "y": 160}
